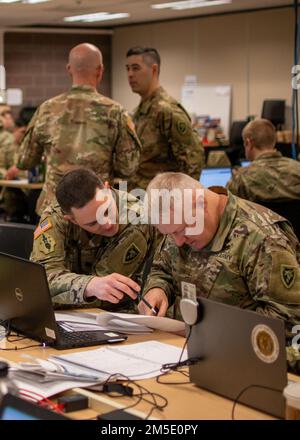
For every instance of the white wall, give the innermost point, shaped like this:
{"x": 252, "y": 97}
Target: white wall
{"x": 252, "y": 51}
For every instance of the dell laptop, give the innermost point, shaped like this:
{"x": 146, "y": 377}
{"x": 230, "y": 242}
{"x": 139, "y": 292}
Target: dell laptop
{"x": 26, "y": 307}
{"x": 242, "y": 356}
{"x": 215, "y": 177}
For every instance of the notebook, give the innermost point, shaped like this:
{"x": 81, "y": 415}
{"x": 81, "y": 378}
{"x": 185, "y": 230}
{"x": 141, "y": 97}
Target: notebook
{"x": 26, "y": 307}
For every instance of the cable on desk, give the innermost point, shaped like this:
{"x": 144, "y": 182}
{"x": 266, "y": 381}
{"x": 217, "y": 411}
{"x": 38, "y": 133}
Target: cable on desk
{"x": 236, "y": 400}
{"x": 142, "y": 391}
{"x": 6, "y": 325}
{"x": 175, "y": 366}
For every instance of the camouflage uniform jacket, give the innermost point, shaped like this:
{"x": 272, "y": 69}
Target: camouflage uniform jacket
{"x": 7, "y": 151}
{"x": 252, "y": 262}
{"x": 168, "y": 141}
{"x": 80, "y": 128}
{"x": 269, "y": 177}
{"x": 72, "y": 256}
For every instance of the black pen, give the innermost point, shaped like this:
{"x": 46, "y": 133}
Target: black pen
{"x": 154, "y": 310}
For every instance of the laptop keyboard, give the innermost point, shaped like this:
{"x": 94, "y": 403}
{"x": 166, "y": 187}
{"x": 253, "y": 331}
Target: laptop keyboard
{"x": 81, "y": 339}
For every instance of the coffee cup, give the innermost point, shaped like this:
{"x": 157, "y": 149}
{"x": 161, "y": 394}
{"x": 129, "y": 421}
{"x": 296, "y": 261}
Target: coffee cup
{"x": 292, "y": 399}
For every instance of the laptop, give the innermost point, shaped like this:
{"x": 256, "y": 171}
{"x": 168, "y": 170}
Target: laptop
{"x": 215, "y": 176}
{"x": 15, "y": 408}
{"x": 26, "y": 307}
{"x": 239, "y": 348}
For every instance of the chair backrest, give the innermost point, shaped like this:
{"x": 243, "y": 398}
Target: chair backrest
{"x": 16, "y": 239}
{"x": 274, "y": 111}
{"x": 235, "y": 151}
{"x": 289, "y": 209}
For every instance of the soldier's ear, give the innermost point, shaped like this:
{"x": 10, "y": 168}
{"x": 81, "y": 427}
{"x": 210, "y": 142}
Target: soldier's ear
{"x": 70, "y": 218}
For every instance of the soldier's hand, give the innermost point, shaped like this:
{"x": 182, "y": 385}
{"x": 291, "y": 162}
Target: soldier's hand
{"x": 111, "y": 288}
{"x": 157, "y": 298}
{"x": 12, "y": 173}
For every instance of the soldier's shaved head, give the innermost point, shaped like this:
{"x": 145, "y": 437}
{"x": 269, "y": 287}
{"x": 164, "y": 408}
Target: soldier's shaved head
{"x": 85, "y": 57}
{"x": 85, "y": 64}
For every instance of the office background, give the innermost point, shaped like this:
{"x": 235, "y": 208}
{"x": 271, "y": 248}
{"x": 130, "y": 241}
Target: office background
{"x": 252, "y": 51}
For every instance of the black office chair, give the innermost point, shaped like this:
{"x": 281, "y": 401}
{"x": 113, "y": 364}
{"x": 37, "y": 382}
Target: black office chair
{"x": 16, "y": 239}
{"x": 274, "y": 111}
{"x": 235, "y": 151}
{"x": 289, "y": 209}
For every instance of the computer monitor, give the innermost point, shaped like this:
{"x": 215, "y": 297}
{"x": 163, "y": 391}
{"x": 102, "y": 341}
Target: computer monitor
{"x": 245, "y": 163}
{"x": 215, "y": 176}
{"x": 241, "y": 351}
{"x": 274, "y": 111}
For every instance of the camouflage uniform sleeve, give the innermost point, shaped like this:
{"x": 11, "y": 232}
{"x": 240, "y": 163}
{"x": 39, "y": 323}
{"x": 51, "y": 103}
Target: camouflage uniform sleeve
{"x": 7, "y": 152}
{"x": 31, "y": 149}
{"x": 184, "y": 140}
{"x": 65, "y": 286}
{"x": 236, "y": 185}
{"x": 127, "y": 148}
{"x": 161, "y": 273}
{"x": 273, "y": 278}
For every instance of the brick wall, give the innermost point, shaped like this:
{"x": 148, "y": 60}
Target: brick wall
{"x": 35, "y": 63}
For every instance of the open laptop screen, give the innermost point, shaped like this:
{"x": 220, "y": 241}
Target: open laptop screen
{"x": 215, "y": 176}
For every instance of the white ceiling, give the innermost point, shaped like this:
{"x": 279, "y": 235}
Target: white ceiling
{"x": 51, "y": 13}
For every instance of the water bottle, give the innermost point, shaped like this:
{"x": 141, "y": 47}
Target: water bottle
{"x": 7, "y": 385}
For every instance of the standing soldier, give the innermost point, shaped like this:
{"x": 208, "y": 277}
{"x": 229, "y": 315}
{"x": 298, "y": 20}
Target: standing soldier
{"x": 81, "y": 128}
{"x": 169, "y": 142}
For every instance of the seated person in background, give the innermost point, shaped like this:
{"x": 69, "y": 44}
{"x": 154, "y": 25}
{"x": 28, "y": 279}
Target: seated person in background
{"x": 88, "y": 262}
{"x": 270, "y": 176}
{"x": 244, "y": 255}
{"x": 14, "y": 201}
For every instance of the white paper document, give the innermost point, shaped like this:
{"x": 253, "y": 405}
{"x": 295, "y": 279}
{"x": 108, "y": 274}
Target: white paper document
{"x": 127, "y": 323}
{"x": 136, "y": 361}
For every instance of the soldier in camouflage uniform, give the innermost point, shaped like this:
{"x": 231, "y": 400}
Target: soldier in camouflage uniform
{"x": 81, "y": 128}
{"x": 246, "y": 256}
{"x": 7, "y": 150}
{"x": 169, "y": 142}
{"x": 14, "y": 199}
{"x": 270, "y": 176}
{"x": 88, "y": 263}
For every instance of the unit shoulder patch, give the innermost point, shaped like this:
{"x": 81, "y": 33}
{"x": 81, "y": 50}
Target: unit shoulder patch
{"x": 47, "y": 244}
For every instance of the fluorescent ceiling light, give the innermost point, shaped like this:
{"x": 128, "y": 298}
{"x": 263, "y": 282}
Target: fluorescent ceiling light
{"x": 98, "y": 16}
{"x": 190, "y": 4}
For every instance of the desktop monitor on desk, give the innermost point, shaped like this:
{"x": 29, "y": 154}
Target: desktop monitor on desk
{"x": 215, "y": 176}
{"x": 242, "y": 356}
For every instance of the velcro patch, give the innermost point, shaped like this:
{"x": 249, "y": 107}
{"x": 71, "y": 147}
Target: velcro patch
{"x": 42, "y": 227}
{"x": 47, "y": 244}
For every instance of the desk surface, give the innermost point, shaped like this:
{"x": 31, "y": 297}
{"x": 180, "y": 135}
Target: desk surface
{"x": 22, "y": 184}
{"x": 184, "y": 401}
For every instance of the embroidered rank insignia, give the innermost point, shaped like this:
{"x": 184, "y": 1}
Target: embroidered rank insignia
{"x": 131, "y": 253}
{"x": 42, "y": 227}
{"x": 287, "y": 275}
{"x": 47, "y": 244}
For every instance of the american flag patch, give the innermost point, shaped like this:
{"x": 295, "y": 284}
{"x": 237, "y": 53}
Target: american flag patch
{"x": 42, "y": 227}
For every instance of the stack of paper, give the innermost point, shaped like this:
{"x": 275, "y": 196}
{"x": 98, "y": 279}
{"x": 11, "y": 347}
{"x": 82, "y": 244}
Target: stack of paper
{"x": 127, "y": 323}
{"x": 136, "y": 361}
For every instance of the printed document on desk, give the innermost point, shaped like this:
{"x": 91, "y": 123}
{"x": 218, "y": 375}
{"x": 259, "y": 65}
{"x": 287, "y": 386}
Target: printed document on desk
{"x": 107, "y": 319}
{"x": 127, "y": 323}
{"x": 136, "y": 361}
